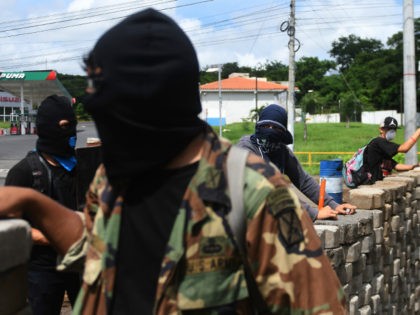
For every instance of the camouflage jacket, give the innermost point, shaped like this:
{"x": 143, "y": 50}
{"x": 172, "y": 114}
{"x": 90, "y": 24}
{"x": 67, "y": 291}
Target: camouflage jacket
{"x": 201, "y": 269}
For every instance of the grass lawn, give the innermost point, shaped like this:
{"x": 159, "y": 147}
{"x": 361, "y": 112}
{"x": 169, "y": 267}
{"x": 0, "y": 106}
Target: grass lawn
{"x": 331, "y": 137}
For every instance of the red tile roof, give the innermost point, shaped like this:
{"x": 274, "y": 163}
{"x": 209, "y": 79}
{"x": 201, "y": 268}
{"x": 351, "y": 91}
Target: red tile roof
{"x": 243, "y": 84}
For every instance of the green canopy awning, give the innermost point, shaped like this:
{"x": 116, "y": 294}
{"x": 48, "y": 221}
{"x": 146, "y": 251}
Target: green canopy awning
{"x": 36, "y": 85}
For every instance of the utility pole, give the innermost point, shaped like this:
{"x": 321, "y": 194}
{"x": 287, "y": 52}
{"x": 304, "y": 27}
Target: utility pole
{"x": 291, "y": 87}
{"x": 410, "y": 102}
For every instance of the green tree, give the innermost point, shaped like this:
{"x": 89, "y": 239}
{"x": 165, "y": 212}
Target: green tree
{"x": 276, "y": 71}
{"x": 345, "y": 49}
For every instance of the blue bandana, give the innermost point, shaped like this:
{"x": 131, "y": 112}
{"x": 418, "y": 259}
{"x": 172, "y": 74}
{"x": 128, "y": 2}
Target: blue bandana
{"x": 67, "y": 162}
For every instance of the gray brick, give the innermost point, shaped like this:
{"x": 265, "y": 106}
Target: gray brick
{"x": 396, "y": 267}
{"x": 407, "y": 180}
{"x": 367, "y": 198}
{"x": 356, "y": 283}
{"x": 376, "y": 304}
{"x": 360, "y": 265}
{"x": 354, "y": 305}
{"x": 387, "y": 211}
{"x": 335, "y": 255}
{"x": 387, "y": 228}
{"x": 408, "y": 212}
{"x": 352, "y": 252}
{"x": 417, "y": 193}
{"x": 332, "y": 235}
{"x": 365, "y": 310}
{"x": 378, "y": 284}
{"x": 368, "y": 274}
{"x": 367, "y": 244}
{"x": 16, "y": 243}
{"x": 365, "y": 294}
{"x": 395, "y": 223}
{"x": 379, "y": 235}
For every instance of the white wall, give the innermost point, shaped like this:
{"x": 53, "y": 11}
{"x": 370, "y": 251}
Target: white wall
{"x": 324, "y": 118}
{"x": 236, "y": 106}
{"x": 377, "y": 117}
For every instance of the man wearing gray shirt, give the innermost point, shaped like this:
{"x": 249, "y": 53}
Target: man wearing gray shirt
{"x": 270, "y": 141}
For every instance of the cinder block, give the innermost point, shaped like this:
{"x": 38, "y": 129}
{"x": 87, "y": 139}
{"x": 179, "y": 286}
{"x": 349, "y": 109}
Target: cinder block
{"x": 367, "y": 198}
{"x": 367, "y": 244}
{"x": 335, "y": 255}
{"x": 376, "y": 304}
{"x": 356, "y": 283}
{"x": 378, "y": 284}
{"x": 394, "y": 190}
{"x": 396, "y": 267}
{"x": 344, "y": 273}
{"x": 352, "y": 252}
{"x": 332, "y": 235}
{"x": 414, "y": 174}
{"x": 365, "y": 294}
{"x": 408, "y": 213}
{"x": 409, "y": 197}
{"x": 379, "y": 235}
{"x": 368, "y": 274}
{"x": 395, "y": 223}
{"x": 407, "y": 180}
{"x": 16, "y": 243}
{"x": 387, "y": 211}
{"x": 365, "y": 310}
{"x": 354, "y": 305}
{"x": 417, "y": 193}
{"x": 360, "y": 265}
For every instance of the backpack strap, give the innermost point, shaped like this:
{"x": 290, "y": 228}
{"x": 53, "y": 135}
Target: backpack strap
{"x": 235, "y": 164}
{"x": 40, "y": 172}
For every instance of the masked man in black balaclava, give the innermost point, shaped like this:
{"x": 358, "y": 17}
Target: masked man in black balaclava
{"x": 51, "y": 169}
{"x": 270, "y": 142}
{"x": 155, "y": 233}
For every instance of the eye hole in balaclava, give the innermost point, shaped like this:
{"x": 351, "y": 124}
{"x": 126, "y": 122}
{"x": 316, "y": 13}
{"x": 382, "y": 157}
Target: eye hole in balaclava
{"x": 56, "y": 127}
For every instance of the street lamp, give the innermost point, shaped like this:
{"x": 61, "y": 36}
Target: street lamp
{"x": 219, "y": 79}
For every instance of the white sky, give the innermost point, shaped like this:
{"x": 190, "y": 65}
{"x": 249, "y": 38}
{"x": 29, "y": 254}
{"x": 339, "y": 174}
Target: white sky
{"x": 55, "y": 34}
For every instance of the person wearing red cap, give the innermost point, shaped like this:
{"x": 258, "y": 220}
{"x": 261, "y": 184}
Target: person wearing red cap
{"x": 378, "y": 155}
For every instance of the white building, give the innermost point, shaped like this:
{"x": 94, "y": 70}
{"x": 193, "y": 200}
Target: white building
{"x": 240, "y": 94}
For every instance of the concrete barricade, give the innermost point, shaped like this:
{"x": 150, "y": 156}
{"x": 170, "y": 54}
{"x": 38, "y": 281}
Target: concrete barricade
{"x": 15, "y": 240}
{"x": 376, "y": 252}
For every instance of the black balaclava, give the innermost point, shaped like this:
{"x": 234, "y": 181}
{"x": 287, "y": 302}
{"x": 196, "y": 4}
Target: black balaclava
{"x": 270, "y": 140}
{"x": 52, "y": 139}
{"x": 146, "y": 102}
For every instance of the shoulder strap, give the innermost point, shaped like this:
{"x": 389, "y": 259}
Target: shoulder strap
{"x": 40, "y": 172}
{"x": 235, "y": 164}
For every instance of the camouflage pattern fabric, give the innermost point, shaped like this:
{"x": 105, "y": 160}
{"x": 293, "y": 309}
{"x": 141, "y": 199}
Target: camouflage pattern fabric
{"x": 201, "y": 272}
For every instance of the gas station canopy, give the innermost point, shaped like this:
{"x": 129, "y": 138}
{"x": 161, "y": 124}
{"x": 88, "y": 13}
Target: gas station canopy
{"x": 32, "y": 86}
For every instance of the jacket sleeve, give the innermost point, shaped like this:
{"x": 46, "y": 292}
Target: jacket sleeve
{"x": 305, "y": 183}
{"x": 246, "y": 143}
{"x": 292, "y": 272}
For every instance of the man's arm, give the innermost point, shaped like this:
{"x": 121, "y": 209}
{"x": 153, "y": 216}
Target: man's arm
{"x": 407, "y": 145}
{"x": 304, "y": 182}
{"x": 60, "y": 225}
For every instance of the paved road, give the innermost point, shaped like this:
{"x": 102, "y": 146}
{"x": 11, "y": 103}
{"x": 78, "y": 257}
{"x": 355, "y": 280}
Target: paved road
{"x": 14, "y": 148}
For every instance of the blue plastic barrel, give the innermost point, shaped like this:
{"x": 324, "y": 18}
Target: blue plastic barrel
{"x": 331, "y": 171}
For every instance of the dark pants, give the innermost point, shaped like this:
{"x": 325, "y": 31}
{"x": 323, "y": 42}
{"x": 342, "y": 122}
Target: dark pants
{"x": 46, "y": 290}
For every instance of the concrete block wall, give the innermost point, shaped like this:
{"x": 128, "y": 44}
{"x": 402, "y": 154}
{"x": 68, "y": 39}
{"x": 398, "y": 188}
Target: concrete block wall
{"x": 376, "y": 252}
{"x": 15, "y": 240}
